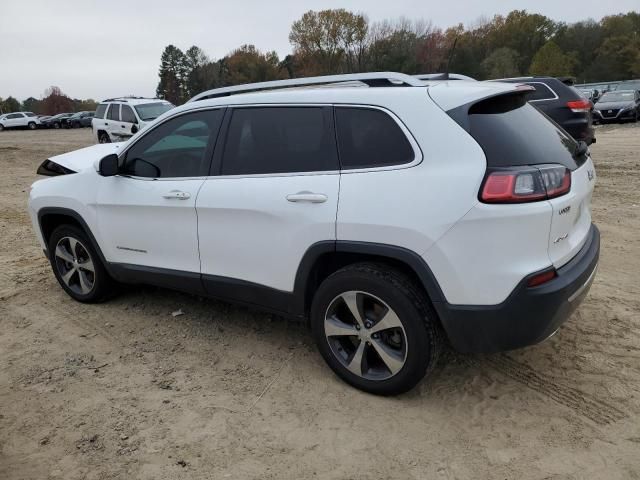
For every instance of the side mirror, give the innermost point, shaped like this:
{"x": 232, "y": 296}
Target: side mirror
{"x": 108, "y": 165}
{"x": 134, "y": 129}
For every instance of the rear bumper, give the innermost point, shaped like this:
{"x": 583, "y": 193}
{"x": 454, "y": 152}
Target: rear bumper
{"x": 528, "y": 315}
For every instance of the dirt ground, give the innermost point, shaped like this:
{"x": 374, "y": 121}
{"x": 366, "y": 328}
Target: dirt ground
{"x": 126, "y": 390}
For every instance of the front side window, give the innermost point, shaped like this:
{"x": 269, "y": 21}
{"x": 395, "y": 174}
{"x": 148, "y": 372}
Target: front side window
{"x": 263, "y": 140}
{"x": 179, "y": 147}
{"x": 30, "y": 114}
{"x": 542, "y": 92}
{"x": 114, "y": 112}
{"x": 127, "y": 114}
{"x": 369, "y": 138}
{"x": 102, "y": 108}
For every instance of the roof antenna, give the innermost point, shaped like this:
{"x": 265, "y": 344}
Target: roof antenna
{"x": 453, "y": 48}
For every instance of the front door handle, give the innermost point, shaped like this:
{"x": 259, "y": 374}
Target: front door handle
{"x": 177, "y": 194}
{"x": 309, "y": 197}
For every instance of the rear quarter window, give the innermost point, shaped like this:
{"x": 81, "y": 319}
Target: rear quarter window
{"x": 369, "y": 138}
{"x": 542, "y": 92}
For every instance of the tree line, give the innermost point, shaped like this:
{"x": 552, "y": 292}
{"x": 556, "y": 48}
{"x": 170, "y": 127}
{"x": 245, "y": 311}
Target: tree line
{"x": 53, "y": 101}
{"x": 339, "y": 41}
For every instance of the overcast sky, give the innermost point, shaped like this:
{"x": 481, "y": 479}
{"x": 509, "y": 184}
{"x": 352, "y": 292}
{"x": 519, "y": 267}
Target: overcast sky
{"x": 97, "y": 49}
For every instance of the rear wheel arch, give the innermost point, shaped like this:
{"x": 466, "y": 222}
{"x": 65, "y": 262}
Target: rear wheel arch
{"x": 325, "y": 258}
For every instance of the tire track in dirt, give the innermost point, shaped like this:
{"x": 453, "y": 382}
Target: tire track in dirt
{"x": 586, "y": 405}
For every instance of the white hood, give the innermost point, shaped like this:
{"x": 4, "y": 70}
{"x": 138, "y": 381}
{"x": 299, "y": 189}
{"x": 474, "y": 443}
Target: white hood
{"x": 86, "y": 157}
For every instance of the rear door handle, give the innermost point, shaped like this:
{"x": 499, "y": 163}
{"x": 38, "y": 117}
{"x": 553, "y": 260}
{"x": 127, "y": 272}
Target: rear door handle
{"x": 177, "y": 194}
{"x": 309, "y": 197}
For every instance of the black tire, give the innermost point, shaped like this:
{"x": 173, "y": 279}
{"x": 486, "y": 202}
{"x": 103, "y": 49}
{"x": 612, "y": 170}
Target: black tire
{"x": 56, "y": 125}
{"x": 102, "y": 286}
{"x": 103, "y": 137}
{"x": 1, "y": 127}
{"x": 32, "y": 126}
{"x": 421, "y": 329}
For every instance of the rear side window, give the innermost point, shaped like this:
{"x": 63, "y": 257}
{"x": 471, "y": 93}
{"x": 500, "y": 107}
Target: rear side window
{"x": 370, "y": 138}
{"x": 100, "y": 110}
{"x": 114, "y": 112}
{"x": 512, "y": 132}
{"x": 542, "y": 92}
{"x": 127, "y": 114}
{"x": 279, "y": 140}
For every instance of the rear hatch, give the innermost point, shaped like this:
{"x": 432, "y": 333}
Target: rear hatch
{"x": 517, "y": 137}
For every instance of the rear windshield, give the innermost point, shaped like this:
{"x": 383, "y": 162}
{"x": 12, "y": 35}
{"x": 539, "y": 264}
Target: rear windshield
{"x": 151, "y": 111}
{"x": 512, "y": 132}
{"x": 617, "y": 97}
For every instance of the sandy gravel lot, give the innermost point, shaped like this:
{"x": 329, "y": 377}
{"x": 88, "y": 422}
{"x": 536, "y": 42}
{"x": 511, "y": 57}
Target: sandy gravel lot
{"x": 125, "y": 390}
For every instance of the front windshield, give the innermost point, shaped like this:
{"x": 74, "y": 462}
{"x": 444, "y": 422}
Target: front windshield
{"x": 151, "y": 111}
{"x": 616, "y": 97}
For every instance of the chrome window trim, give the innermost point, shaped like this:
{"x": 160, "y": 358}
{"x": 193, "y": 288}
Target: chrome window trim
{"x": 555, "y": 95}
{"x": 418, "y": 155}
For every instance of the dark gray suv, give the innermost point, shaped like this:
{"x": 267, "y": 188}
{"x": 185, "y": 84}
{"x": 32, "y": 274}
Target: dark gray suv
{"x": 561, "y": 102}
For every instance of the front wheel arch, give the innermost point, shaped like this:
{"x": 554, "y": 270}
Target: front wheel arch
{"x": 49, "y": 218}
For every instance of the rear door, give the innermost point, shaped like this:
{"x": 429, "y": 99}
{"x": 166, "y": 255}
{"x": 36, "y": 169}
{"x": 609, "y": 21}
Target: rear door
{"x": 111, "y": 122}
{"x": 128, "y": 122}
{"x": 272, "y": 195}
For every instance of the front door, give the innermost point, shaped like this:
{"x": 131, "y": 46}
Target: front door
{"x": 146, "y": 214}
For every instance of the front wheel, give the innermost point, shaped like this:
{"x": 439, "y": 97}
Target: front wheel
{"x": 56, "y": 125}
{"x": 77, "y": 266}
{"x": 375, "y": 328}
{"x": 32, "y": 126}
{"x": 1, "y": 127}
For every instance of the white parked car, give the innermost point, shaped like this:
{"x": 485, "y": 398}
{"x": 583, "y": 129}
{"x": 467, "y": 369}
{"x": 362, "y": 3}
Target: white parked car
{"x": 19, "y": 120}
{"x": 118, "y": 119}
{"x": 383, "y": 215}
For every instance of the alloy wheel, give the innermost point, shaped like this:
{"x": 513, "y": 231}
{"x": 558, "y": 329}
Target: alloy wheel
{"x": 365, "y": 335}
{"x": 75, "y": 266}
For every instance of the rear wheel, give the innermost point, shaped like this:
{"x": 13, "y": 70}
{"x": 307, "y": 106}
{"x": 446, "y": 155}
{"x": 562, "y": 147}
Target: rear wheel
{"x": 375, "y": 328}
{"x": 103, "y": 137}
{"x": 77, "y": 266}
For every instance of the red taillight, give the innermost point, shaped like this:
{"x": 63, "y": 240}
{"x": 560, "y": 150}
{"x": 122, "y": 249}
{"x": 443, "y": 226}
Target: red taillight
{"x": 578, "y": 106}
{"x": 542, "y": 277}
{"x": 528, "y": 184}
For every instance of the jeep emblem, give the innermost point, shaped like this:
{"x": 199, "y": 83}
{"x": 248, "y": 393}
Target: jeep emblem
{"x": 565, "y": 210}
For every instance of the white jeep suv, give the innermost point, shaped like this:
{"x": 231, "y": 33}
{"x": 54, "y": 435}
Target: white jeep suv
{"x": 386, "y": 211}
{"x": 19, "y": 120}
{"x": 118, "y": 119}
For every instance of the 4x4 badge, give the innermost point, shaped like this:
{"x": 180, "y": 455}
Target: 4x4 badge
{"x": 590, "y": 174}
